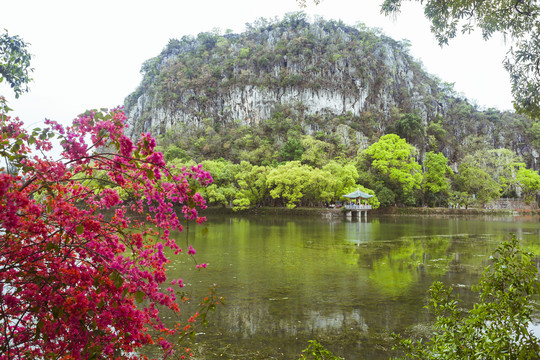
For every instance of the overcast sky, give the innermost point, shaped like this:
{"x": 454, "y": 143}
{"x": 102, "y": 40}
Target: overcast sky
{"x": 88, "y": 54}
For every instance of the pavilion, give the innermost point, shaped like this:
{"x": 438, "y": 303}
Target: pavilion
{"x": 354, "y": 208}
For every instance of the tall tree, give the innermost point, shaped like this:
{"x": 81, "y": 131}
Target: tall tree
{"x": 315, "y": 151}
{"x": 409, "y": 126}
{"x": 392, "y": 160}
{"x": 288, "y": 182}
{"x": 518, "y": 20}
{"x": 319, "y": 187}
{"x": 292, "y": 150}
{"x": 346, "y": 177}
{"x": 478, "y": 185}
{"x": 252, "y": 186}
{"x": 436, "y": 184}
{"x": 501, "y": 164}
{"x": 529, "y": 181}
{"x": 223, "y": 189}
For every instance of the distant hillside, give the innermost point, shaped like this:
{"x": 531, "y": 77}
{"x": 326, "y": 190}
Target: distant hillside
{"x": 262, "y": 95}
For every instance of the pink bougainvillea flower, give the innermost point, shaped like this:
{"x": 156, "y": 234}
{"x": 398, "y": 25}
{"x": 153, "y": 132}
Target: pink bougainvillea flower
{"x": 82, "y": 256}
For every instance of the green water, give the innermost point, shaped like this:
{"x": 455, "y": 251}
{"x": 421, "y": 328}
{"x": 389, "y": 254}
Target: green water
{"x": 345, "y": 283}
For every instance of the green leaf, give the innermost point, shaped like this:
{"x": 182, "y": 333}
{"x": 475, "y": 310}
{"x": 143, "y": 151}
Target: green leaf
{"x": 79, "y": 229}
{"x": 39, "y": 326}
{"x": 52, "y": 246}
{"x": 117, "y": 279}
{"x": 537, "y": 284}
{"x": 139, "y": 296}
{"x": 204, "y": 231}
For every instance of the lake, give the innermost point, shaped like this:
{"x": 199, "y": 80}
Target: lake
{"x": 345, "y": 283}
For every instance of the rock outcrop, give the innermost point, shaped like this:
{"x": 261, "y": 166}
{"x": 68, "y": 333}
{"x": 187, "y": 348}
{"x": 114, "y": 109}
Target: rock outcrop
{"x": 323, "y": 69}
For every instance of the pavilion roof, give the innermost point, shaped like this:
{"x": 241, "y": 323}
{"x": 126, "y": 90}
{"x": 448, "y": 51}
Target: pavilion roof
{"x": 358, "y": 194}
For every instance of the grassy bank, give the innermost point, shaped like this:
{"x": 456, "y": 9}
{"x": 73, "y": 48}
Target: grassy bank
{"x": 325, "y": 212}
{"x": 448, "y": 211}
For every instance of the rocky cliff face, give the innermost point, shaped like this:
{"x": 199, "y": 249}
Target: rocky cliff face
{"x": 326, "y": 66}
{"x": 324, "y": 69}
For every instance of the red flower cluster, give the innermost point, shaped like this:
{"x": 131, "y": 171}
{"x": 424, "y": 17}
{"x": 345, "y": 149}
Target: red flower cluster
{"x": 75, "y": 280}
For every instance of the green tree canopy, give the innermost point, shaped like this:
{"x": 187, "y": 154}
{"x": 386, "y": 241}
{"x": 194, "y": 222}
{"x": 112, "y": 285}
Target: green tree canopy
{"x": 436, "y": 133}
{"x": 392, "y": 160}
{"x": 529, "y": 181}
{"x": 292, "y": 150}
{"x": 315, "y": 151}
{"x": 501, "y": 164}
{"x": 346, "y": 177}
{"x": 477, "y": 183}
{"x": 222, "y": 190}
{"x": 288, "y": 182}
{"x": 320, "y": 187}
{"x": 15, "y": 63}
{"x": 409, "y": 126}
{"x": 252, "y": 186}
{"x": 436, "y": 183}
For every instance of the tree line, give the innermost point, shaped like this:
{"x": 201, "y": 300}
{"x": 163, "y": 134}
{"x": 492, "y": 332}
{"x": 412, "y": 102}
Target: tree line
{"x": 389, "y": 169}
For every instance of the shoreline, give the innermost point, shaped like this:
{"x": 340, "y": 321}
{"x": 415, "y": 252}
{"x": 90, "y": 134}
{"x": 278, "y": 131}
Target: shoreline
{"x": 335, "y": 213}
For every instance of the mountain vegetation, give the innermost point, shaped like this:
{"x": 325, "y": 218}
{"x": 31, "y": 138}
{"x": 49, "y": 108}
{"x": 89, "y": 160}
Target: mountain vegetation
{"x": 295, "y": 96}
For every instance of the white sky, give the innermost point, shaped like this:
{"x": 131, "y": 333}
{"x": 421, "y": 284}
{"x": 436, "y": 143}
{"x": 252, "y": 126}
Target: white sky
{"x": 88, "y": 54}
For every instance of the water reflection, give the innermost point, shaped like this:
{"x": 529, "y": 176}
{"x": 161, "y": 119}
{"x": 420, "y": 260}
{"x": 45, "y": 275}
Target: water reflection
{"x": 289, "y": 280}
{"x": 254, "y": 320}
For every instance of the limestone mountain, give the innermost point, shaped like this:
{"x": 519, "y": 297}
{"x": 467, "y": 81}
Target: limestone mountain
{"x": 288, "y": 86}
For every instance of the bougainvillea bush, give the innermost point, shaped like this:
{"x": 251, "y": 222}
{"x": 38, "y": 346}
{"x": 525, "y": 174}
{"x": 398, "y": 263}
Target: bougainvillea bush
{"x": 83, "y": 241}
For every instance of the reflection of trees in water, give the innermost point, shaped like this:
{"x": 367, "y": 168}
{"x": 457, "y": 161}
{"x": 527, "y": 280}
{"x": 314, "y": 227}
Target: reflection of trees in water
{"x": 397, "y": 265}
{"x": 384, "y": 293}
{"x": 256, "y": 319}
{"x": 317, "y": 321}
